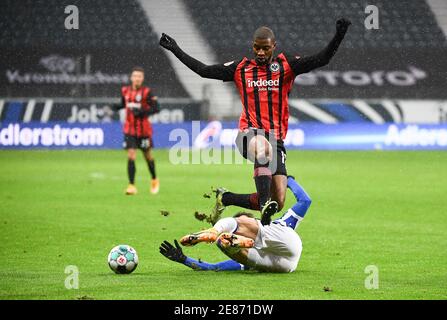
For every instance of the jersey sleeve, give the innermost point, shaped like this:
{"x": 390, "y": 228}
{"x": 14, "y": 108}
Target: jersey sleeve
{"x": 300, "y": 64}
{"x": 306, "y": 64}
{"x": 228, "y": 70}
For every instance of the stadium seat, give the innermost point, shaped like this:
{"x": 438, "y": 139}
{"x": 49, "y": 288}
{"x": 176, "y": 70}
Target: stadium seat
{"x": 105, "y": 26}
{"x": 309, "y": 24}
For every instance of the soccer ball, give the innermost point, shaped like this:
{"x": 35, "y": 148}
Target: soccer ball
{"x": 123, "y": 259}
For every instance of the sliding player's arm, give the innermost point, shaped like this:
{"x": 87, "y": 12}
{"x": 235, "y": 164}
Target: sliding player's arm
{"x": 223, "y": 72}
{"x": 176, "y": 254}
{"x": 306, "y": 64}
{"x": 295, "y": 214}
{"x": 303, "y": 199}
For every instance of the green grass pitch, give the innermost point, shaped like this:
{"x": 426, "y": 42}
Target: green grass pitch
{"x": 61, "y": 208}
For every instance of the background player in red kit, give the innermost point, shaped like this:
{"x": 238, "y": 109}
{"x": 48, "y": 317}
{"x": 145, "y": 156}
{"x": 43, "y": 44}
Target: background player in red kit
{"x": 139, "y": 103}
{"x": 264, "y": 84}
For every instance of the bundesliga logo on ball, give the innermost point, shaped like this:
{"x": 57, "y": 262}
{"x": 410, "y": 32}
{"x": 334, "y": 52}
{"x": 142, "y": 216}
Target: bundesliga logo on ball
{"x": 123, "y": 259}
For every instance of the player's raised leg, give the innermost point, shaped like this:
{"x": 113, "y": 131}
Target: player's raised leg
{"x": 260, "y": 149}
{"x": 279, "y": 189}
{"x": 247, "y": 201}
{"x": 251, "y": 200}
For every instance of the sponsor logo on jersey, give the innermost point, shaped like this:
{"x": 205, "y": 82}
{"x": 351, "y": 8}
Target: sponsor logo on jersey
{"x": 262, "y": 83}
{"x": 134, "y": 105}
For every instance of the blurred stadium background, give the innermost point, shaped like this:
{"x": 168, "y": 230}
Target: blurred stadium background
{"x": 385, "y": 88}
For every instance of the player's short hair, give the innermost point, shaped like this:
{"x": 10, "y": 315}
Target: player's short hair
{"x": 137, "y": 68}
{"x": 242, "y": 213}
{"x": 264, "y": 33}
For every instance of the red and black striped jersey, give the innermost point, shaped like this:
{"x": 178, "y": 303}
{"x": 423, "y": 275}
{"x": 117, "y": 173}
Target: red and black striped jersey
{"x": 264, "y": 92}
{"x": 144, "y": 102}
{"x": 264, "y": 89}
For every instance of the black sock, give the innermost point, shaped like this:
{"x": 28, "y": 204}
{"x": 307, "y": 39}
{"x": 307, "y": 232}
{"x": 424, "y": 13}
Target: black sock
{"x": 151, "y": 165}
{"x": 234, "y": 199}
{"x": 263, "y": 184}
{"x": 131, "y": 171}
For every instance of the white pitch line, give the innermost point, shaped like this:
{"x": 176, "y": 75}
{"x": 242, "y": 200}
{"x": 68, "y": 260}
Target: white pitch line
{"x": 29, "y": 110}
{"x": 46, "y": 110}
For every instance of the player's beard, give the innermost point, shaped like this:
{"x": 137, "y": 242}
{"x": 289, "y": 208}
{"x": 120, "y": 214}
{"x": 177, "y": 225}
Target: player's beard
{"x": 265, "y": 60}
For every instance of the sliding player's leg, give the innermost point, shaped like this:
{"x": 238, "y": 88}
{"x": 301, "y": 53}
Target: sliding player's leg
{"x": 238, "y": 237}
{"x": 239, "y": 226}
{"x": 276, "y": 248}
{"x": 131, "y": 170}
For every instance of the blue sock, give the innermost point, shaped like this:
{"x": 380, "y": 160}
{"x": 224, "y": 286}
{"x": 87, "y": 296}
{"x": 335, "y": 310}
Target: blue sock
{"x": 228, "y": 265}
{"x": 295, "y": 214}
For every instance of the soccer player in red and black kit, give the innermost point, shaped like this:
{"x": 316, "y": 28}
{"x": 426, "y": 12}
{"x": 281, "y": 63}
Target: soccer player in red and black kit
{"x": 264, "y": 84}
{"x": 139, "y": 103}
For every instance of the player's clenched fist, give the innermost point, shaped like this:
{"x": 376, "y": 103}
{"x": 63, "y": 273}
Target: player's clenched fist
{"x": 167, "y": 42}
{"x": 342, "y": 25}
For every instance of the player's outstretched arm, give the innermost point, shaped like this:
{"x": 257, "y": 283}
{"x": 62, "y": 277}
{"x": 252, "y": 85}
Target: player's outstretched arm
{"x": 295, "y": 214}
{"x": 176, "y": 254}
{"x": 298, "y": 191}
{"x": 322, "y": 58}
{"x": 217, "y": 71}
{"x": 303, "y": 199}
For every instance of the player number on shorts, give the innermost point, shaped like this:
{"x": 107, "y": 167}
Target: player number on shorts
{"x": 145, "y": 143}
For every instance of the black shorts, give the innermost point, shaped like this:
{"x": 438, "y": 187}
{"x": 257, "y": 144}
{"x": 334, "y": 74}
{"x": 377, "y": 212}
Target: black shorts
{"x": 278, "y": 163}
{"x": 134, "y": 142}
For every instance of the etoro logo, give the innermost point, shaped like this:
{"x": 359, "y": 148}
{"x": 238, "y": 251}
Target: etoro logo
{"x": 262, "y": 83}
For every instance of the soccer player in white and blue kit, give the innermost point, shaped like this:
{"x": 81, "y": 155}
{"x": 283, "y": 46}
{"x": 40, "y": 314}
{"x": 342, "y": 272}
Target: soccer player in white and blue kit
{"x": 250, "y": 245}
